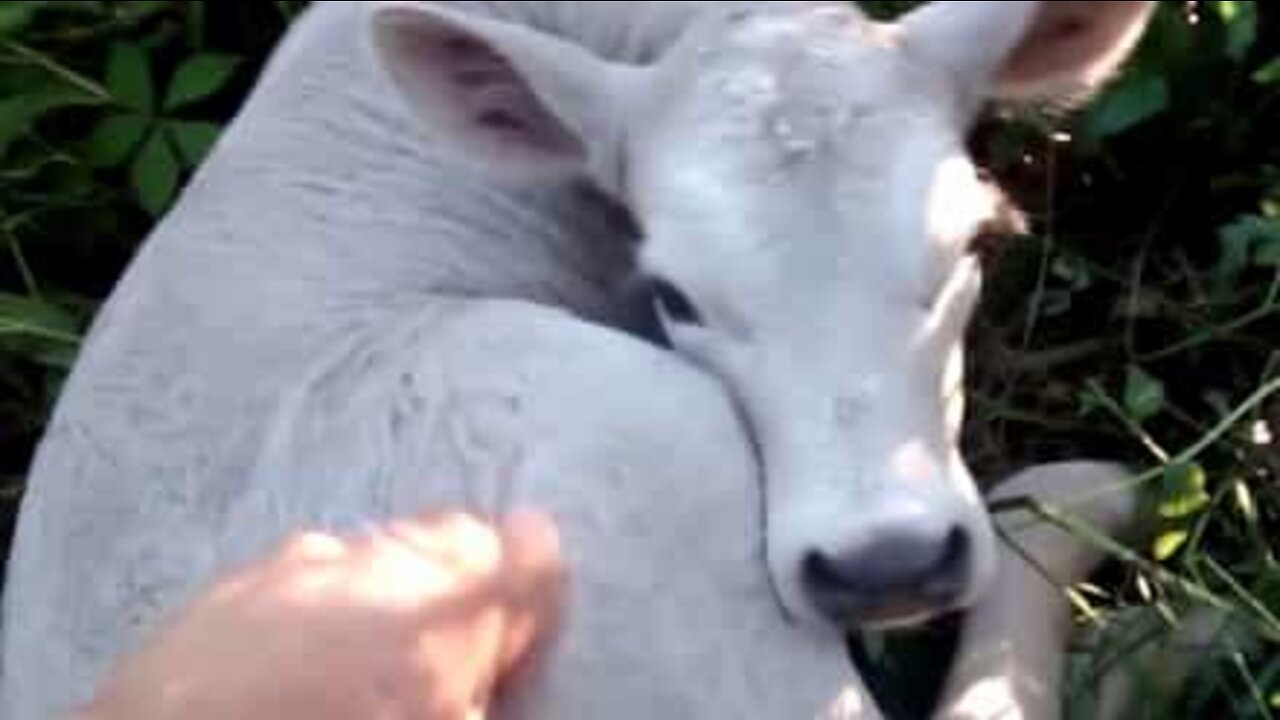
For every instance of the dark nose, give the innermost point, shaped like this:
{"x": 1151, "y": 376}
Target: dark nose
{"x": 896, "y": 577}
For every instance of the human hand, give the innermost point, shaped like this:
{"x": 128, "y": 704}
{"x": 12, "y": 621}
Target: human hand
{"x": 416, "y": 621}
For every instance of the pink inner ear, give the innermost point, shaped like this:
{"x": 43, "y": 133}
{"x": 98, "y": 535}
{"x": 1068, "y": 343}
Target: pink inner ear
{"x": 466, "y": 87}
{"x": 1074, "y": 45}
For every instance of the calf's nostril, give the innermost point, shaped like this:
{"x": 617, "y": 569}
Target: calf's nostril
{"x": 823, "y": 575}
{"x": 902, "y": 572}
{"x": 953, "y": 567}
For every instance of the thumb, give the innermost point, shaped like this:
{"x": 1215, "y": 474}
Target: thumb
{"x": 533, "y": 584}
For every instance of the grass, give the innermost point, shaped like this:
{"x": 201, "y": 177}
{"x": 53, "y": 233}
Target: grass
{"x": 1140, "y": 321}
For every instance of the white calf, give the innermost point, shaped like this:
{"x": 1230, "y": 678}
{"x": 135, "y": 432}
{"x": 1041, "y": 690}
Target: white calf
{"x": 380, "y": 294}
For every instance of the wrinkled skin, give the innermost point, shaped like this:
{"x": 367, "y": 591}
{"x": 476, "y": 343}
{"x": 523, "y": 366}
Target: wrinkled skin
{"x": 346, "y": 319}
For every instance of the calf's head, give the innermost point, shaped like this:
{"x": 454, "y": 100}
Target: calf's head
{"x": 800, "y": 176}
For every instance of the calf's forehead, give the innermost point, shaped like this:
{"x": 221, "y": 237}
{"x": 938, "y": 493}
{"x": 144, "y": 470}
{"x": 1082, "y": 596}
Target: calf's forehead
{"x": 819, "y": 138}
{"x": 829, "y": 56}
{"x": 791, "y": 90}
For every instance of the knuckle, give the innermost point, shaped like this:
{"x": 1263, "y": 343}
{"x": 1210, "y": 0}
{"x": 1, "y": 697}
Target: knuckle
{"x": 314, "y": 547}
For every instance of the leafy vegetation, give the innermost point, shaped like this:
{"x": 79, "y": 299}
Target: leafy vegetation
{"x": 1139, "y": 322}
{"x": 105, "y": 107}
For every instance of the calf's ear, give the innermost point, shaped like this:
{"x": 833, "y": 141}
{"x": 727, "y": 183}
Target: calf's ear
{"x": 1054, "y": 50}
{"x": 507, "y": 97}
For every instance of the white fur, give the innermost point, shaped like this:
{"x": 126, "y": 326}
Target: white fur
{"x": 342, "y": 321}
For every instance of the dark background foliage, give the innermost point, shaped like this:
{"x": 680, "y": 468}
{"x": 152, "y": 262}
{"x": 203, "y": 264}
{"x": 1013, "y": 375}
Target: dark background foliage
{"x": 1139, "y": 321}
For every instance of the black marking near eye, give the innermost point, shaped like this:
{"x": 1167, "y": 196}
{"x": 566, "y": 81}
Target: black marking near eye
{"x": 480, "y": 75}
{"x": 500, "y": 121}
{"x": 459, "y": 46}
{"x": 641, "y": 304}
{"x": 675, "y": 305}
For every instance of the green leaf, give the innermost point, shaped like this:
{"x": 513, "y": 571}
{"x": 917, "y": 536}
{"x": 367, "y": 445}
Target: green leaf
{"x": 15, "y": 17}
{"x": 1268, "y": 74}
{"x": 20, "y": 113}
{"x": 129, "y": 78}
{"x": 115, "y": 139}
{"x": 1246, "y": 505}
{"x": 1144, "y": 395}
{"x": 156, "y": 174}
{"x": 37, "y": 330}
{"x": 1184, "y": 492}
{"x": 1074, "y": 271}
{"x": 1171, "y": 42}
{"x": 1088, "y": 403}
{"x": 58, "y": 357}
{"x": 1236, "y": 247}
{"x": 198, "y": 78}
{"x": 1250, "y": 240}
{"x": 18, "y": 313}
{"x": 1169, "y": 543}
{"x": 194, "y": 140}
{"x": 1241, "y": 19}
{"x": 1267, "y": 590}
{"x": 1268, "y": 253}
{"x": 1275, "y": 701}
{"x": 1228, "y": 10}
{"x": 1129, "y": 104}
{"x": 136, "y": 10}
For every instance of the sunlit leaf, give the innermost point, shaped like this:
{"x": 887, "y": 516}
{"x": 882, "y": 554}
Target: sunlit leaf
{"x": 1228, "y": 10}
{"x": 1241, "y": 19}
{"x": 1184, "y": 492}
{"x": 27, "y": 315}
{"x": 1245, "y": 502}
{"x": 1268, "y": 74}
{"x": 1145, "y": 590}
{"x": 38, "y": 331}
{"x": 1169, "y": 544}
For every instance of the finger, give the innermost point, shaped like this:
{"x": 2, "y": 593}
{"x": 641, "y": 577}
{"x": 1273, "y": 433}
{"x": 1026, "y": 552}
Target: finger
{"x": 533, "y": 583}
{"x": 426, "y": 565}
{"x": 312, "y": 547}
{"x": 302, "y": 550}
{"x": 460, "y": 542}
